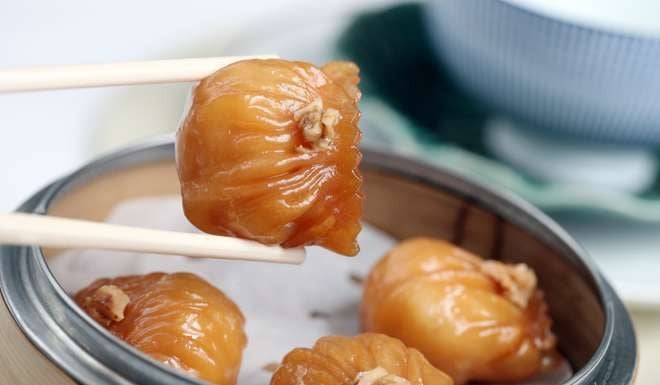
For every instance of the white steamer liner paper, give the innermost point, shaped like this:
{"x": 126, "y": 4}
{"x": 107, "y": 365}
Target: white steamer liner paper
{"x": 284, "y": 306}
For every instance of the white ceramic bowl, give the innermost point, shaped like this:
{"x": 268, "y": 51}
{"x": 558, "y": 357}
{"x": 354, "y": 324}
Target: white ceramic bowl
{"x": 589, "y": 69}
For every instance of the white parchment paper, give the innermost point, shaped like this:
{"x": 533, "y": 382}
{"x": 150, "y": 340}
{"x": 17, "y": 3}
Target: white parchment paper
{"x": 285, "y": 306}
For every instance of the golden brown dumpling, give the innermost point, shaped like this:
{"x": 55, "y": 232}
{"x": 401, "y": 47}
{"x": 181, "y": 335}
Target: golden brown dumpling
{"x": 366, "y": 359}
{"x": 178, "y": 319}
{"x": 473, "y": 319}
{"x": 269, "y": 152}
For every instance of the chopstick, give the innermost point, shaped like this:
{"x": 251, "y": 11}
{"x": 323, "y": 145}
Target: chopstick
{"x": 114, "y": 74}
{"x": 47, "y": 231}
{"x": 56, "y": 232}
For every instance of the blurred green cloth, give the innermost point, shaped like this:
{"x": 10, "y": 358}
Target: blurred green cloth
{"x": 412, "y": 106}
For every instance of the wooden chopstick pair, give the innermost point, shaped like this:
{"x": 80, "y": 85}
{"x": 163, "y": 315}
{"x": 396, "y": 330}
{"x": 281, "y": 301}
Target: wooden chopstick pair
{"x": 32, "y": 229}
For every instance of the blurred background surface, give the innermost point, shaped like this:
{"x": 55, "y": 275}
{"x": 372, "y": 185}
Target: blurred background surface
{"x": 557, "y": 101}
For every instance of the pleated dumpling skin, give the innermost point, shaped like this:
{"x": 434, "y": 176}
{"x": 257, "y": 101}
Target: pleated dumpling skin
{"x": 178, "y": 319}
{"x": 474, "y": 319}
{"x": 366, "y": 359}
{"x": 268, "y": 152}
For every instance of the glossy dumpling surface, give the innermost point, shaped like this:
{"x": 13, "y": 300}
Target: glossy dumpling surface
{"x": 268, "y": 152}
{"x": 366, "y": 359}
{"x": 178, "y": 319}
{"x": 474, "y": 319}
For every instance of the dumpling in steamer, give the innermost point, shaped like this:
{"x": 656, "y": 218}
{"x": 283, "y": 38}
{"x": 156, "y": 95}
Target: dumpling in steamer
{"x": 268, "y": 152}
{"x": 178, "y": 319}
{"x": 366, "y": 359}
{"x": 472, "y": 318}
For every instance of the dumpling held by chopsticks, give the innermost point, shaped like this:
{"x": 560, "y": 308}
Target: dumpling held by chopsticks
{"x": 268, "y": 152}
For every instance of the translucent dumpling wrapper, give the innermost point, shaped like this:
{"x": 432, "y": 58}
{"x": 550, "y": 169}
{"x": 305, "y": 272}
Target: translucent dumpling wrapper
{"x": 474, "y": 319}
{"x": 178, "y": 319}
{"x": 268, "y": 152}
{"x": 366, "y": 359}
